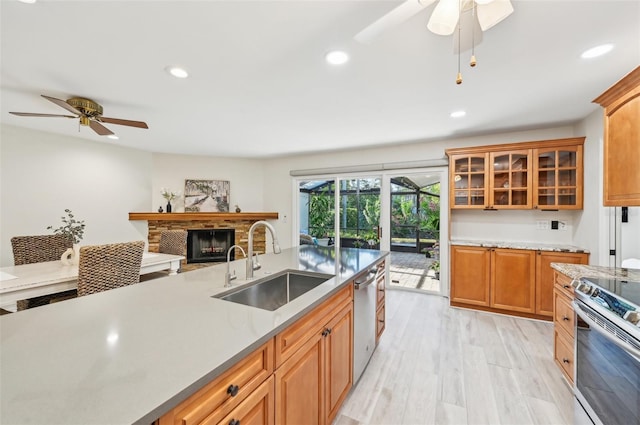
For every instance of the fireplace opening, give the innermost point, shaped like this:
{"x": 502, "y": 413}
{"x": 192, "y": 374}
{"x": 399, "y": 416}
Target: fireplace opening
{"x": 209, "y": 245}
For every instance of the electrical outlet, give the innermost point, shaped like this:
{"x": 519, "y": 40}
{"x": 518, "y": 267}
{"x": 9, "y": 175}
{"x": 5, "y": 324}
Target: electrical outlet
{"x": 284, "y": 218}
{"x": 542, "y": 224}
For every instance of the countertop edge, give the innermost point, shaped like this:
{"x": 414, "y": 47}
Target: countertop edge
{"x": 218, "y": 371}
{"x": 532, "y": 246}
{"x": 577, "y": 271}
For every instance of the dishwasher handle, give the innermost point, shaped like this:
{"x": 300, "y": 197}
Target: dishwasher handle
{"x": 367, "y": 280}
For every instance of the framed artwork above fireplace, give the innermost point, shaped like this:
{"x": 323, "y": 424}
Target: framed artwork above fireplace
{"x": 206, "y": 195}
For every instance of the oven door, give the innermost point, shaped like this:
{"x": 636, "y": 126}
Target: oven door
{"x": 607, "y": 369}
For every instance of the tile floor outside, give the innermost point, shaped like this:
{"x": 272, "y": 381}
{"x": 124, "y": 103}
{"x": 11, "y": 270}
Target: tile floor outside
{"x": 411, "y": 270}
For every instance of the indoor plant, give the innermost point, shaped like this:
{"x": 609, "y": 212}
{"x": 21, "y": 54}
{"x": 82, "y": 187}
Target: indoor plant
{"x": 71, "y": 227}
{"x": 169, "y": 195}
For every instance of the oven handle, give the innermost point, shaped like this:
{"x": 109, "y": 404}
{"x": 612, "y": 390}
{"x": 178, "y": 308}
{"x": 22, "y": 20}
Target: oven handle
{"x": 633, "y": 352}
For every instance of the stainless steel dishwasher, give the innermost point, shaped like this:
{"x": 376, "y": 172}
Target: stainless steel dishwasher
{"x": 364, "y": 322}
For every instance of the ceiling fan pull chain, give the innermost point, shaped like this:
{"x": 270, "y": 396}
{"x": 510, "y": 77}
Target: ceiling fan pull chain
{"x": 473, "y": 61}
{"x": 459, "y": 77}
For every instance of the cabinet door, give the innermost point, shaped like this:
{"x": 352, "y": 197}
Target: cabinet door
{"x": 558, "y": 179}
{"x": 622, "y": 141}
{"x": 470, "y": 275}
{"x": 299, "y": 384}
{"x": 510, "y": 179}
{"x": 257, "y": 409}
{"x": 545, "y": 277}
{"x": 513, "y": 279}
{"x": 468, "y": 185}
{"x": 339, "y": 360}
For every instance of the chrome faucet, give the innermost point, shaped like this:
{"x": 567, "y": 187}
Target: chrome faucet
{"x": 227, "y": 276}
{"x": 276, "y": 246}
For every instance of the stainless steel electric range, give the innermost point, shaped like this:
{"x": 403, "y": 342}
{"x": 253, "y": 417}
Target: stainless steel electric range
{"x": 607, "y": 383}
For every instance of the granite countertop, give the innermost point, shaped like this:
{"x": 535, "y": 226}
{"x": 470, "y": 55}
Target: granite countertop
{"x": 576, "y": 271}
{"x": 519, "y": 245}
{"x": 131, "y": 354}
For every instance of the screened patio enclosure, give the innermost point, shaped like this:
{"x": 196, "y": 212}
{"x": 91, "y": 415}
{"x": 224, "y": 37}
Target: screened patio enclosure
{"x": 414, "y": 203}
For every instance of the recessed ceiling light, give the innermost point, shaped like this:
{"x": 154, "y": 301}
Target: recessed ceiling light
{"x": 458, "y": 114}
{"x": 113, "y": 136}
{"x": 27, "y": 1}
{"x": 337, "y": 57}
{"x": 596, "y": 51}
{"x": 177, "y": 72}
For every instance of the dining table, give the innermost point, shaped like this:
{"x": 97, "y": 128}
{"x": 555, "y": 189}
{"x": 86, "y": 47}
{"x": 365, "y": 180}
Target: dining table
{"x": 31, "y": 280}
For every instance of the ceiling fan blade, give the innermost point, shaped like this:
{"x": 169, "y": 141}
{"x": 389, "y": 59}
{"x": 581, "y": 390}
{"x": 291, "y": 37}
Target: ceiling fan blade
{"x": 398, "y": 15}
{"x": 118, "y": 121}
{"x": 492, "y": 13}
{"x": 444, "y": 18}
{"x": 99, "y": 128}
{"x": 29, "y": 114}
{"x": 62, "y": 104}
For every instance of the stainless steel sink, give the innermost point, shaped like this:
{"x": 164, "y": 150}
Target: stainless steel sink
{"x": 272, "y": 292}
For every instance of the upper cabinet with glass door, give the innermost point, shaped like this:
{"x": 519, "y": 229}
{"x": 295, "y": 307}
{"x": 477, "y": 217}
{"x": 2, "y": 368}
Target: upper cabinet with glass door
{"x": 558, "y": 180}
{"x": 541, "y": 175}
{"x": 510, "y": 179}
{"x": 468, "y": 187}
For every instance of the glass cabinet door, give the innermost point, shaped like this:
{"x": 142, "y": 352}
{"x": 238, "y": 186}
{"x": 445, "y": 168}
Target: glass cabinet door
{"x": 469, "y": 181}
{"x": 510, "y": 179}
{"x": 558, "y": 184}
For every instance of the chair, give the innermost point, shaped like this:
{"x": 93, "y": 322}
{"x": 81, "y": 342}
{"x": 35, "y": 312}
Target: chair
{"x": 110, "y": 266}
{"x": 173, "y": 242}
{"x": 631, "y": 263}
{"x": 38, "y": 249}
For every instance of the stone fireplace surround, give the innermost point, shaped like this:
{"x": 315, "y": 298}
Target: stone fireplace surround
{"x": 240, "y": 222}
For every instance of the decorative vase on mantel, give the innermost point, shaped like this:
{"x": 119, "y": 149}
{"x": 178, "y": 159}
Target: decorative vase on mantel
{"x": 168, "y": 207}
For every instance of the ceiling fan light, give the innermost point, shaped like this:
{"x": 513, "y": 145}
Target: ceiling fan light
{"x": 492, "y": 13}
{"x": 445, "y": 17}
{"x": 177, "y": 71}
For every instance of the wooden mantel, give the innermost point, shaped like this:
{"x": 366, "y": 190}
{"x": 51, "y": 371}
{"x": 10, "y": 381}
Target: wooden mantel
{"x": 202, "y": 216}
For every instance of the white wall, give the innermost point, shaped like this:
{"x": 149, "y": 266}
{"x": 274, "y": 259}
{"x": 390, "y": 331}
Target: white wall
{"x": 42, "y": 174}
{"x": 245, "y": 176}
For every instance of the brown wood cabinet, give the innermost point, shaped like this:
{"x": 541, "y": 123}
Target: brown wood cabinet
{"x": 545, "y": 277}
{"x": 381, "y": 275}
{"x": 470, "y": 275}
{"x": 517, "y": 281}
{"x": 557, "y": 183}
{"x": 313, "y": 380}
{"x": 564, "y": 326}
{"x": 621, "y": 105}
{"x": 513, "y": 276}
{"x": 545, "y": 174}
{"x": 302, "y": 375}
{"x": 218, "y": 398}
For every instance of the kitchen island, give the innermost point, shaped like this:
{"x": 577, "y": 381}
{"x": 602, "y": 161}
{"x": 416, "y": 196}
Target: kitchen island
{"x": 132, "y": 354}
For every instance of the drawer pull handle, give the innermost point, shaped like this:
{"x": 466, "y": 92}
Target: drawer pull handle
{"x": 566, "y": 286}
{"x": 565, "y": 360}
{"x": 234, "y": 422}
{"x": 326, "y": 332}
{"x": 566, "y": 318}
{"x": 233, "y": 390}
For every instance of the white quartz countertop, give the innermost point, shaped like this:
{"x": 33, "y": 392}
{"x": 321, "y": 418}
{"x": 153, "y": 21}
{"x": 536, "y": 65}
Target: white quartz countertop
{"x": 131, "y": 354}
{"x": 535, "y": 246}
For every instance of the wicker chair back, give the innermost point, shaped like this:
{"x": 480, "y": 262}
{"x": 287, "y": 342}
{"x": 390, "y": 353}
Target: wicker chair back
{"x": 110, "y": 266}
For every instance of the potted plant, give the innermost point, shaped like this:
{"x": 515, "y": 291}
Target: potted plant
{"x": 435, "y": 266}
{"x": 74, "y": 230}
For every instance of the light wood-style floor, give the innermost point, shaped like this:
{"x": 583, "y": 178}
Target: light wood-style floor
{"x": 441, "y": 365}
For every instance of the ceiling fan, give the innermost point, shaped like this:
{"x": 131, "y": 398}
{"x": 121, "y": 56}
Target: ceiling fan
{"x": 89, "y": 112}
{"x": 471, "y": 17}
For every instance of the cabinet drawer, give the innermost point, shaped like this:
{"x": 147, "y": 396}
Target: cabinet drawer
{"x": 215, "y": 400}
{"x": 563, "y": 314}
{"x": 295, "y": 336}
{"x": 256, "y": 409}
{"x": 380, "y": 280}
{"x": 380, "y": 321}
{"x": 563, "y": 283}
{"x": 563, "y": 354}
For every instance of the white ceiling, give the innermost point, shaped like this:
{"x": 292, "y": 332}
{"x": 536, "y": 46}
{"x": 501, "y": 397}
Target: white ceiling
{"x": 259, "y": 86}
